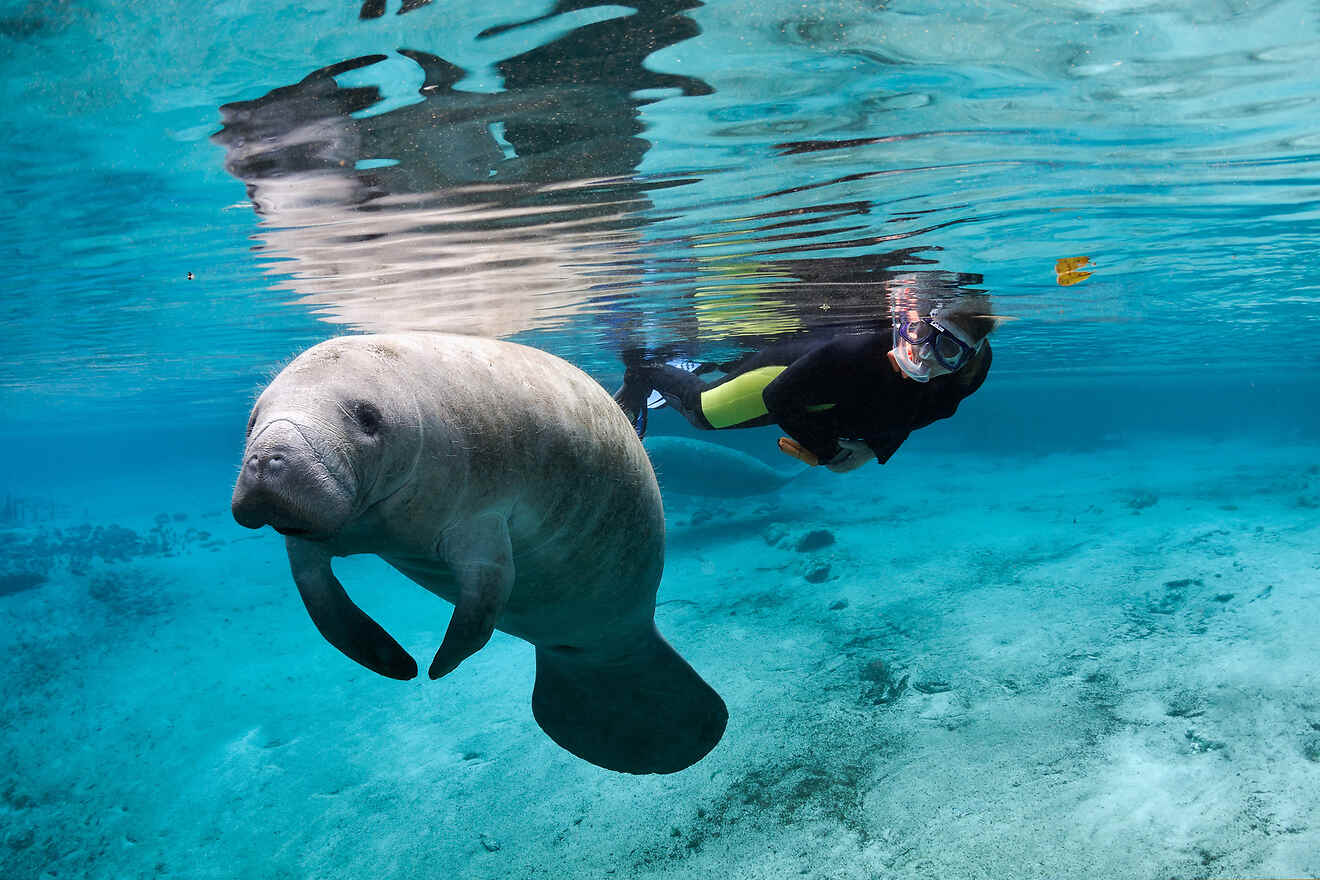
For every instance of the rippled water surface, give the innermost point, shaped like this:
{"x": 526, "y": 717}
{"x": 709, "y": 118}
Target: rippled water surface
{"x": 680, "y": 172}
{"x": 1067, "y": 633}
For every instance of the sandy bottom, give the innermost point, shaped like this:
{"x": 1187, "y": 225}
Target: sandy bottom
{"x": 1079, "y": 665}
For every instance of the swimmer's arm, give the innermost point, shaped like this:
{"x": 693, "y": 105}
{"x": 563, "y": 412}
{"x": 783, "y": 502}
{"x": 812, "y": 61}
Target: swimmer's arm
{"x": 884, "y": 445}
{"x": 803, "y": 384}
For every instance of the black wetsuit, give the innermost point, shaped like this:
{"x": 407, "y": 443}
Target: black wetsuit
{"x": 843, "y": 388}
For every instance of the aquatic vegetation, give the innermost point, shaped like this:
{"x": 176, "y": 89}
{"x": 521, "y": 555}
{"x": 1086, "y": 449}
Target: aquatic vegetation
{"x": 1173, "y": 597}
{"x": 29, "y": 552}
{"x": 884, "y": 684}
{"x": 129, "y": 592}
{"x": 22, "y": 511}
{"x": 1185, "y": 704}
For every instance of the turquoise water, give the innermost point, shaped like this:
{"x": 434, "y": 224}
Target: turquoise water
{"x": 1069, "y": 631}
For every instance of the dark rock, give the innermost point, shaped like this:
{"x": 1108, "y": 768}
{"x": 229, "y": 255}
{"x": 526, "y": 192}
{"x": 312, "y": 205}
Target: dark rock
{"x": 130, "y": 593}
{"x": 18, "y": 581}
{"x": 1185, "y": 704}
{"x": 1174, "y": 597}
{"x": 21, "y": 840}
{"x": 885, "y": 687}
{"x": 932, "y": 686}
{"x": 814, "y": 540}
{"x": 1139, "y": 499}
{"x": 876, "y": 670}
{"x": 1201, "y": 744}
{"x": 817, "y": 573}
{"x": 15, "y": 799}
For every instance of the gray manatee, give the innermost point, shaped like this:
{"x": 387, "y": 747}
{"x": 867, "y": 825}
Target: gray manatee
{"x": 506, "y": 481}
{"x": 695, "y": 467}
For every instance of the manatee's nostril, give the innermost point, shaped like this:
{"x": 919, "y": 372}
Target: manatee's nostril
{"x": 264, "y": 467}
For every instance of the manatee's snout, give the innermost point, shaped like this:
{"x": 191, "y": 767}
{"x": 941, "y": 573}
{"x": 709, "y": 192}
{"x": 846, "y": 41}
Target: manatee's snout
{"x": 284, "y": 484}
{"x": 261, "y": 493}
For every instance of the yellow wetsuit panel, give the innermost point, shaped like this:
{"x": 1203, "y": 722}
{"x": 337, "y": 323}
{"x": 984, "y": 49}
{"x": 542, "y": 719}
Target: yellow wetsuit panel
{"x": 739, "y": 399}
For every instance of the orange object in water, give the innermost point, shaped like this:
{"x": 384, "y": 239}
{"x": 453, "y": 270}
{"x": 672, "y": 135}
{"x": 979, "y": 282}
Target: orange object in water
{"x": 1065, "y": 270}
{"x": 798, "y": 451}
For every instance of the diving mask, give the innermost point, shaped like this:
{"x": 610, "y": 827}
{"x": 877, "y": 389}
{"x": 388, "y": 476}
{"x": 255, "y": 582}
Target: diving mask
{"x": 929, "y": 342}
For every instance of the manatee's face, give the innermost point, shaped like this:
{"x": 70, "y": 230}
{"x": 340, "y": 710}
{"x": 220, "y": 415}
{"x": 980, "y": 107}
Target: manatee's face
{"x": 332, "y": 435}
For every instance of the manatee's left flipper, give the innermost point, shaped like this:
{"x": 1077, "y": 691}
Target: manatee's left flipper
{"x": 481, "y": 558}
{"x": 343, "y": 624}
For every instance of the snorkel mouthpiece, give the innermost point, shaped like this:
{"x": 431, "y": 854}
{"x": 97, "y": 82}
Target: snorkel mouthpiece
{"x": 917, "y": 370}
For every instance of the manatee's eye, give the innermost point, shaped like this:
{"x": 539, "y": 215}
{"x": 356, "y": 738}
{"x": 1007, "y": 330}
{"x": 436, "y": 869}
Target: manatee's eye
{"x": 368, "y": 417}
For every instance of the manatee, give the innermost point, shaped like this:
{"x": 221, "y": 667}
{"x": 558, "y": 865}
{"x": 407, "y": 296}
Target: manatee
{"x": 695, "y": 467}
{"x": 507, "y": 482}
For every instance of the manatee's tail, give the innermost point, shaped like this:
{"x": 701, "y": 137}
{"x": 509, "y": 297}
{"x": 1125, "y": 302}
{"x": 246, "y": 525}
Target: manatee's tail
{"x": 645, "y": 712}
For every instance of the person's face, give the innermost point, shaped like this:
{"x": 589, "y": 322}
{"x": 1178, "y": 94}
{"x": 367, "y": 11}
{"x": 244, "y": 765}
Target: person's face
{"x": 919, "y": 360}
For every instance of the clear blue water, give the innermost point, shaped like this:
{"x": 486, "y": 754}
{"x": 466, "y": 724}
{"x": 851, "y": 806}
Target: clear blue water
{"x": 1091, "y": 650}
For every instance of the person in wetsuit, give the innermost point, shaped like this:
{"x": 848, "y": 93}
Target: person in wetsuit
{"x": 842, "y": 401}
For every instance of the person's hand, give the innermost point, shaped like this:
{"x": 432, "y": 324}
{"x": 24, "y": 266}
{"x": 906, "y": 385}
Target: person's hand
{"x": 798, "y": 451}
{"x": 852, "y": 455}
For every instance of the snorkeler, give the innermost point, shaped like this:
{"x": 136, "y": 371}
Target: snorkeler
{"x": 842, "y": 401}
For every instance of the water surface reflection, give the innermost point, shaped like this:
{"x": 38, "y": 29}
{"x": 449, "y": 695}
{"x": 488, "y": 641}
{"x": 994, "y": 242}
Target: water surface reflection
{"x": 527, "y": 209}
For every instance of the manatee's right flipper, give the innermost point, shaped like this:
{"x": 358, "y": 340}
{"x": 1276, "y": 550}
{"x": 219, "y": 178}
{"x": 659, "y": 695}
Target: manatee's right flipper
{"x": 343, "y": 624}
{"x": 480, "y": 555}
{"x": 645, "y": 712}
